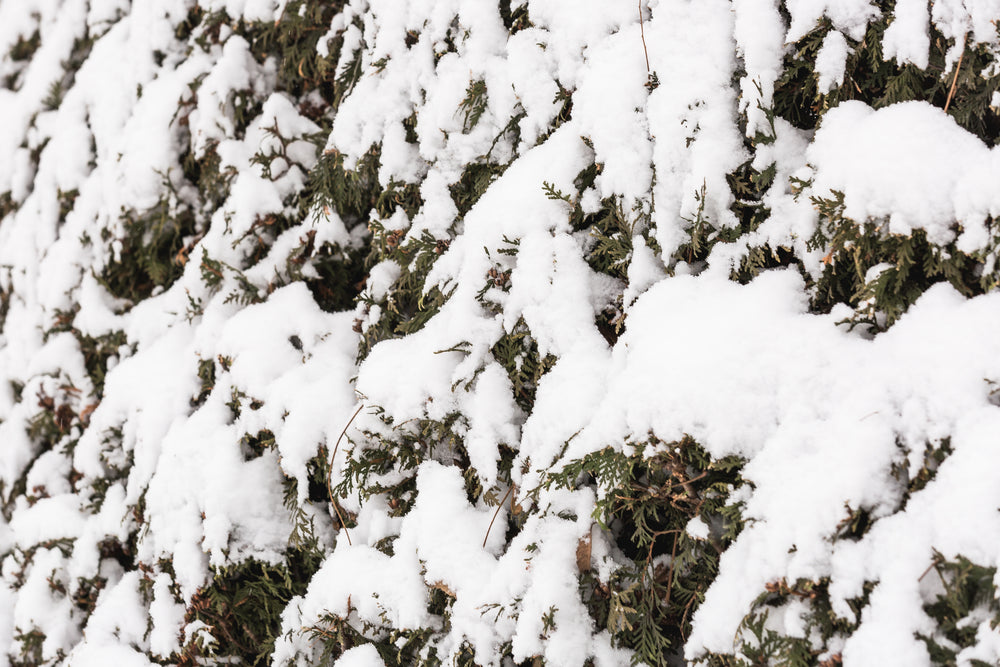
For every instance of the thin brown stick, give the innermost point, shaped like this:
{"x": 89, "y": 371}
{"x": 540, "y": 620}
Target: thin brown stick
{"x": 934, "y": 563}
{"x": 954, "y": 79}
{"x": 642, "y": 32}
{"x": 652, "y": 543}
{"x": 344, "y": 432}
{"x": 686, "y": 484}
{"x": 329, "y": 470}
{"x": 495, "y": 514}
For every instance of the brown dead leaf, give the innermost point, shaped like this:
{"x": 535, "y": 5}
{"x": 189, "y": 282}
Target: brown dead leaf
{"x": 86, "y": 412}
{"x": 443, "y": 587}
{"x": 583, "y": 549}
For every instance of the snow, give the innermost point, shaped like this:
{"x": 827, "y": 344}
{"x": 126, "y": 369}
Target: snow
{"x": 360, "y": 656}
{"x": 856, "y": 151}
{"x": 768, "y": 412}
{"x": 828, "y": 420}
{"x": 906, "y": 39}
{"x": 830, "y": 61}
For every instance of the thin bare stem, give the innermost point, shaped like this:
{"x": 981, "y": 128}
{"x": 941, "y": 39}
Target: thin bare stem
{"x": 329, "y": 470}
{"x": 642, "y": 32}
{"x": 934, "y": 563}
{"x": 495, "y": 514}
{"x": 344, "y": 432}
{"x": 954, "y": 79}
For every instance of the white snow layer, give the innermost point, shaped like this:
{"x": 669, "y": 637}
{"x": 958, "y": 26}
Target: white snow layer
{"x": 821, "y": 415}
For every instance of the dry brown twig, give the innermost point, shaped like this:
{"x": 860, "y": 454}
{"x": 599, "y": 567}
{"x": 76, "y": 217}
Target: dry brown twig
{"x": 954, "y": 79}
{"x": 499, "y": 506}
{"x": 642, "y": 32}
{"x": 329, "y": 470}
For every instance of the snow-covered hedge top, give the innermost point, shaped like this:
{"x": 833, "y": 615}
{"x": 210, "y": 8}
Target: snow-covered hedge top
{"x": 467, "y": 332}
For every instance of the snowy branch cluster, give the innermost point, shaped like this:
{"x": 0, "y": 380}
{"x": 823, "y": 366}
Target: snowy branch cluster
{"x": 691, "y": 301}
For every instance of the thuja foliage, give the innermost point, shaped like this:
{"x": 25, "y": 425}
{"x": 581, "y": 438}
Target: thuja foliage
{"x": 908, "y": 264}
{"x": 242, "y": 603}
{"x": 904, "y": 266}
{"x": 517, "y": 351}
{"x": 965, "y": 599}
{"x": 647, "y": 499}
{"x": 396, "y": 648}
{"x": 385, "y": 463}
{"x": 761, "y": 645}
{"x": 964, "y": 606}
{"x": 669, "y": 508}
{"x": 878, "y": 82}
{"x": 147, "y": 254}
{"x": 242, "y": 607}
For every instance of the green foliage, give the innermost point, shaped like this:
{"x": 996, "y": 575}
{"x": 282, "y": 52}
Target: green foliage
{"x": 396, "y": 648}
{"x": 340, "y": 275}
{"x": 97, "y": 354}
{"x": 254, "y": 446}
{"x": 610, "y": 232}
{"x": 748, "y": 185}
{"x": 761, "y": 645}
{"x": 117, "y": 465}
{"x": 206, "y": 374}
{"x": 20, "y": 53}
{"x": 646, "y": 499}
{"x": 7, "y": 205}
{"x": 877, "y": 82}
{"x": 610, "y": 229}
{"x": 205, "y": 172}
{"x": 25, "y": 47}
{"x": 406, "y": 307}
{"x": 474, "y": 104}
{"x": 386, "y": 463}
{"x": 332, "y": 273}
{"x": 912, "y": 265}
{"x": 351, "y": 193}
{"x": 518, "y": 353}
{"x": 476, "y": 177}
{"x": 149, "y": 252}
{"x": 514, "y": 14}
{"x": 4, "y": 307}
{"x": 851, "y": 248}
{"x": 243, "y": 606}
{"x": 31, "y": 649}
{"x": 647, "y": 493}
{"x": 293, "y": 39}
{"x": 967, "y": 600}
{"x": 934, "y": 456}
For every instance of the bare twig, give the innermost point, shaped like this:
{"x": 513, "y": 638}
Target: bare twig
{"x": 652, "y": 543}
{"x": 329, "y": 470}
{"x": 954, "y": 79}
{"x": 642, "y": 32}
{"x": 495, "y": 514}
{"x": 344, "y": 432}
{"x": 934, "y": 563}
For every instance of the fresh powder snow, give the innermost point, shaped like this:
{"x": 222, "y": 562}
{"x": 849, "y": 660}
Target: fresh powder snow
{"x": 150, "y": 476}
